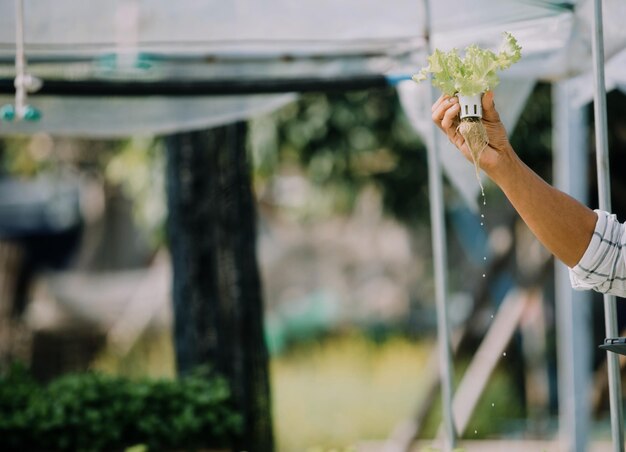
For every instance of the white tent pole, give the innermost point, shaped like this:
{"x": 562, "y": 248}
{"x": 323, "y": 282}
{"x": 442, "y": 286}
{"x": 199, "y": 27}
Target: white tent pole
{"x": 440, "y": 264}
{"x": 573, "y": 314}
{"x": 20, "y": 60}
{"x": 604, "y": 202}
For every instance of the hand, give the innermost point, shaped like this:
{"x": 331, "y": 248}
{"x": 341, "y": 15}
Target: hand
{"x": 445, "y": 113}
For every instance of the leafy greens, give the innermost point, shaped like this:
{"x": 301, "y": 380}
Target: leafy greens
{"x": 473, "y": 74}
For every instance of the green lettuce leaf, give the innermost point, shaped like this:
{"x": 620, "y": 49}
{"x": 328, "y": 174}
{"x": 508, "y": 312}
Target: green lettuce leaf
{"x": 475, "y": 72}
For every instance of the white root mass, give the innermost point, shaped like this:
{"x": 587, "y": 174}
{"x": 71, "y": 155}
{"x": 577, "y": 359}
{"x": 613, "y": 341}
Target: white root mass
{"x": 475, "y": 135}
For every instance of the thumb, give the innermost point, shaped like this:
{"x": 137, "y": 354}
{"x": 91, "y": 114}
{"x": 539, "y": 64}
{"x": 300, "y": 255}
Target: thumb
{"x": 489, "y": 108}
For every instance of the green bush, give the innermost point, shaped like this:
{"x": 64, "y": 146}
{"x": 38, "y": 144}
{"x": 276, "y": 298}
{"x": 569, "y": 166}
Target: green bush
{"x": 92, "y": 411}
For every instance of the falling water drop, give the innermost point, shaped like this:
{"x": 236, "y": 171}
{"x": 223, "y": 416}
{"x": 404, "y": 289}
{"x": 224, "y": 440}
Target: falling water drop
{"x": 504, "y": 354}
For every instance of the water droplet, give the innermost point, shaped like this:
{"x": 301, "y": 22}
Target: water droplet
{"x": 492, "y": 316}
{"x": 482, "y": 215}
{"x": 475, "y": 432}
{"x": 504, "y": 354}
{"x": 481, "y": 223}
{"x": 493, "y": 404}
{"x": 484, "y": 276}
{"x": 485, "y": 258}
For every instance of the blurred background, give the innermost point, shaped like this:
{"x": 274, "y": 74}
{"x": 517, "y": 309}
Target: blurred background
{"x": 340, "y": 190}
{"x": 290, "y": 251}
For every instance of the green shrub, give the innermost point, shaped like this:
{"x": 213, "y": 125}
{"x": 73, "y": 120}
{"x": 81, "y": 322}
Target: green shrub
{"x": 92, "y": 411}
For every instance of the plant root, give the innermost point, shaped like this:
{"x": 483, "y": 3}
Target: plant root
{"x": 475, "y": 135}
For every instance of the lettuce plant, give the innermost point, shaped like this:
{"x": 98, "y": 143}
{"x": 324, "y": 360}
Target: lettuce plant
{"x": 475, "y": 72}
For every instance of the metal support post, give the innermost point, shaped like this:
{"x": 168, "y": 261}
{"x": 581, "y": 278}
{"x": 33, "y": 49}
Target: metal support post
{"x": 604, "y": 195}
{"x": 573, "y": 319}
{"x": 440, "y": 265}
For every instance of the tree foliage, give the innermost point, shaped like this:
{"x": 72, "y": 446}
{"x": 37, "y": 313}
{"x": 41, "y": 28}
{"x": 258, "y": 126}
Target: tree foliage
{"x": 345, "y": 142}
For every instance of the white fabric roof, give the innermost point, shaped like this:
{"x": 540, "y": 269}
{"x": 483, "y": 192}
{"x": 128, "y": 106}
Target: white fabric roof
{"x": 206, "y": 40}
{"x": 161, "y": 40}
{"x": 272, "y": 27}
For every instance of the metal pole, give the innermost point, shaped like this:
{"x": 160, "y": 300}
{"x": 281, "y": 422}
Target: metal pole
{"x": 573, "y": 319}
{"x": 440, "y": 264}
{"x": 20, "y": 60}
{"x": 604, "y": 202}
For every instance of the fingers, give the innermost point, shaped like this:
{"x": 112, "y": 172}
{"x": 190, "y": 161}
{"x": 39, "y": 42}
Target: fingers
{"x": 445, "y": 114}
{"x": 489, "y": 108}
{"x": 444, "y": 110}
{"x": 438, "y": 102}
{"x": 496, "y": 132}
{"x": 450, "y": 117}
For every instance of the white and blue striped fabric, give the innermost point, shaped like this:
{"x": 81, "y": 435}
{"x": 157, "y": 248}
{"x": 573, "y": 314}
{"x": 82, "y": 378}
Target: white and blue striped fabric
{"x": 603, "y": 266}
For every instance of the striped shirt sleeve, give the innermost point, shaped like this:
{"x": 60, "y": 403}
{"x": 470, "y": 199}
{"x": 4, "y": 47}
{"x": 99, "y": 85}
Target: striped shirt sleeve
{"x": 603, "y": 266}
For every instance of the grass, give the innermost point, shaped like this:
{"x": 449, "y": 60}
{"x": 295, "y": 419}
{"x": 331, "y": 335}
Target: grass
{"x": 327, "y": 395}
{"x": 331, "y": 394}
{"x": 152, "y": 356}
{"x": 336, "y": 392}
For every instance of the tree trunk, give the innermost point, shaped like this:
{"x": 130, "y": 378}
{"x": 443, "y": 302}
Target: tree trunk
{"x": 216, "y": 290}
{"x": 11, "y": 264}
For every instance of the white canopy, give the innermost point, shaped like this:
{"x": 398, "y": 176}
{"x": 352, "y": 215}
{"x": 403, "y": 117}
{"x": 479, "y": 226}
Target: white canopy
{"x": 188, "y": 40}
{"x": 141, "y": 42}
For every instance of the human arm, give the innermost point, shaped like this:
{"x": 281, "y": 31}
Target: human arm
{"x": 562, "y": 224}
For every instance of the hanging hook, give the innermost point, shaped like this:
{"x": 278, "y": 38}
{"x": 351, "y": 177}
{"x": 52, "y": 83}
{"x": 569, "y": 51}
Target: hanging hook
{"x": 24, "y": 82}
